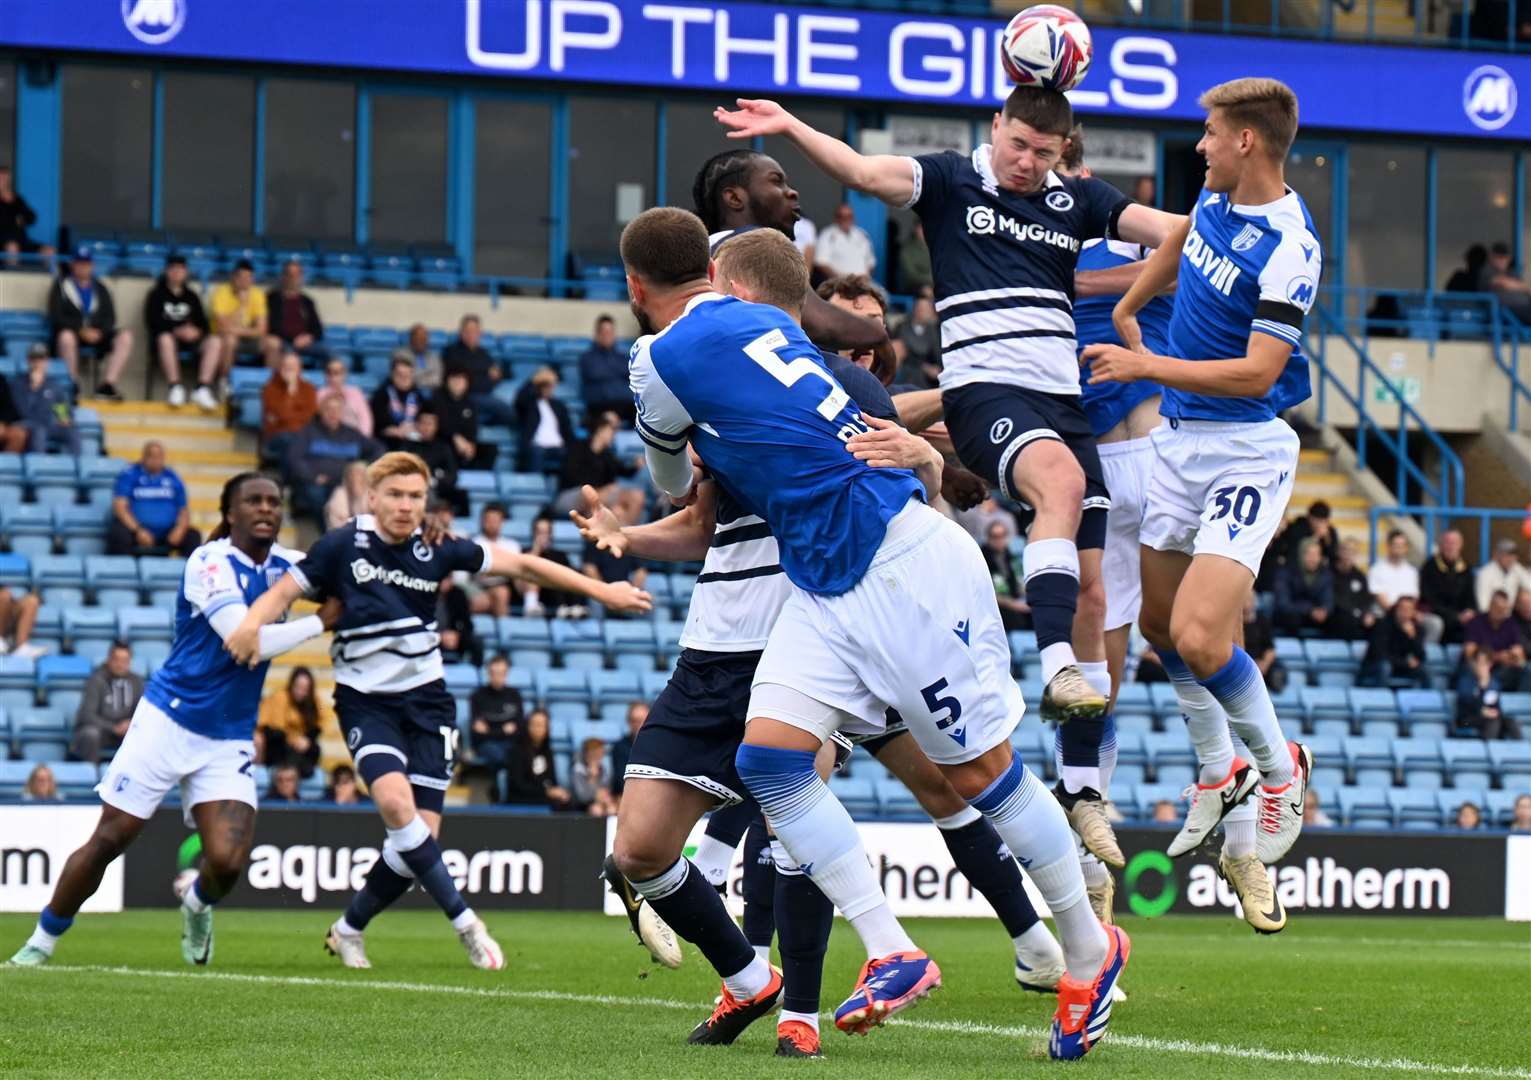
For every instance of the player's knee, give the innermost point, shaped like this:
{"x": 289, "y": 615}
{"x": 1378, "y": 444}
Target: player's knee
{"x": 225, "y": 862}
{"x": 107, "y": 844}
{"x": 1199, "y": 646}
{"x": 639, "y": 860}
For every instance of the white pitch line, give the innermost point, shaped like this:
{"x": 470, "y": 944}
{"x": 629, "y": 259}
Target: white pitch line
{"x": 964, "y": 1027}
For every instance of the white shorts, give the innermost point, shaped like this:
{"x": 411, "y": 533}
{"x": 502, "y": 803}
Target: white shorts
{"x": 1219, "y": 488}
{"x": 158, "y": 754}
{"x": 920, "y": 633}
{"x": 1126, "y": 467}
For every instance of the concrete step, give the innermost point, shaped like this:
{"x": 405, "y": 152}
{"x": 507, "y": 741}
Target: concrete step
{"x": 1313, "y": 459}
{"x": 1335, "y": 483}
{"x": 179, "y": 446}
{"x": 184, "y": 420}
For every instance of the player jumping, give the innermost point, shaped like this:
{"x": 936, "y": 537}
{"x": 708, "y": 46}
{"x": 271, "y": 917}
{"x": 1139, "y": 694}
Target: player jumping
{"x": 390, "y": 697}
{"x": 1247, "y": 264}
{"x": 194, "y": 726}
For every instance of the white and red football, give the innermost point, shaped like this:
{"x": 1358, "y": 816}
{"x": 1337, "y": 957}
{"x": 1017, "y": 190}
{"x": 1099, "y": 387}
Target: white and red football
{"x": 1047, "y": 45}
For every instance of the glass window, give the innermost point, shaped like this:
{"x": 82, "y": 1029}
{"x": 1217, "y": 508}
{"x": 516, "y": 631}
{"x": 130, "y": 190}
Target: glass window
{"x": 310, "y": 159}
{"x": 818, "y": 195}
{"x": 511, "y": 202}
{"x": 1387, "y": 194}
{"x": 108, "y": 117}
{"x": 409, "y": 169}
{"x": 1310, "y": 173}
{"x": 1474, "y": 204}
{"x": 8, "y": 114}
{"x": 209, "y": 153}
{"x": 611, "y": 171}
{"x": 691, "y": 137}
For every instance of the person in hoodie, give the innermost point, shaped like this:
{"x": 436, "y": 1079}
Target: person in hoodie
{"x": 176, "y": 321}
{"x": 81, "y": 314}
{"x": 43, "y": 407}
{"x": 319, "y": 454}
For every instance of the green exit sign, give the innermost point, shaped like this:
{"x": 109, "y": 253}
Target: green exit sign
{"x": 1406, "y": 386}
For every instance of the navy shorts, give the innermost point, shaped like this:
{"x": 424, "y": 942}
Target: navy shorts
{"x": 992, "y": 422}
{"x": 414, "y": 733}
{"x": 696, "y": 724}
{"x": 873, "y": 744}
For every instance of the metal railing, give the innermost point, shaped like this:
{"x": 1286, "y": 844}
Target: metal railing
{"x": 1437, "y": 519}
{"x": 1446, "y": 489}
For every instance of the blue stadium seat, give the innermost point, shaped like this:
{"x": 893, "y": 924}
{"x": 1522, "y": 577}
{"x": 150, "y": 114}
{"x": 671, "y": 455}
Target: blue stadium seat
{"x": 1134, "y": 699}
{"x": 1424, "y": 706}
{"x": 461, "y": 679}
{"x": 1169, "y": 750}
{"x": 28, "y": 527}
{"x": 667, "y": 633}
{"x": 561, "y": 684}
{"x": 113, "y": 571}
{"x": 1511, "y": 761}
{"x": 653, "y": 682}
{"x": 89, "y": 623}
{"x": 15, "y": 570}
{"x": 1130, "y": 749}
{"x": 1373, "y": 703}
{"x": 1330, "y": 661}
{"x": 1518, "y": 706}
{"x": 76, "y": 779}
{"x": 858, "y": 794}
{"x": 1325, "y": 702}
{"x": 529, "y": 660}
{"x": 631, "y": 638}
{"x": 1499, "y": 807}
{"x": 17, "y": 673}
{"x": 67, "y": 571}
{"x": 1148, "y": 794}
{"x": 579, "y": 638}
{"x": 1290, "y": 652}
{"x": 1467, "y": 762}
{"x": 13, "y": 778}
{"x": 62, "y": 673}
{"x": 50, "y": 469}
{"x": 158, "y": 573}
{"x": 518, "y": 633}
{"x": 1166, "y": 704}
{"x": 608, "y": 687}
{"x": 394, "y": 268}
{"x": 486, "y": 630}
{"x": 896, "y": 801}
{"x": 137, "y": 624}
{"x": 439, "y": 267}
{"x": 1414, "y": 808}
{"x": 1370, "y": 761}
{"x": 1419, "y": 763}
{"x": 1366, "y": 807}
{"x": 344, "y": 265}
{"x": 65, "y": 701}
{"x": 1126, "y": 777}
{"x": 1451, "y": 800}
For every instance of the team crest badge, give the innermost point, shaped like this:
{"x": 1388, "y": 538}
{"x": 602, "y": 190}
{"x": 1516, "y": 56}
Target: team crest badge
{"x": 353, "y": 738}
{"x": 1060, "y": 201}
{"x": 422, "y": 551}
{"x": 272, "y": 574}
{"x": 1247, "y": 238}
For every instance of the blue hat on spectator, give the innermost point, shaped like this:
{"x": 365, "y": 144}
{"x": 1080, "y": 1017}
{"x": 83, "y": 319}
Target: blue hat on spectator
{"x": 84, "y": 253}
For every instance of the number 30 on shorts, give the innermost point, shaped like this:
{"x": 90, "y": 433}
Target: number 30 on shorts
{"x": 1243, "y": 503}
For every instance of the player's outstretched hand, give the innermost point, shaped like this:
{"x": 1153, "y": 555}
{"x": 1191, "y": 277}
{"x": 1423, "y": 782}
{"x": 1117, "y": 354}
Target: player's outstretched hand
{"x": 625, "y": 596}
{"x": 598, "y": 524}
{"x": 1112, "y": 363}
{"x": 1128, "y": 330}
{"x": 754, "y": 116}
{"x": 888, "y": 446}
{"x": 244, "y": 643}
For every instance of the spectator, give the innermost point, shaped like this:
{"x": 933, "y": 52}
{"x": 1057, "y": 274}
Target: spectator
{"x": 1164, "y": 812}
{"x": 550, "y": 602}
{"x": 150, "y": 514}
{"x": 918, "y": 345}
{"x": 240, "y": 319}
{"x": 1522, "y": 617}
{"x": 592, "y": 461}
{"x": 1499, "y": 278}
{"x": 859, "y": 295}
{"x": 1396, "y": 655}
{"x": 41, "y": 785}
{"x": 1469, "y": 816}
{"x": 343, "y": 789}
{"x": 622, "y": 749}
{"x": 320, "y": 453}
{"x": 1446, "y": 587}
{"x": 294, "y": 319}
{"x": 454, "y": 620}
{"x": 396, "y": 406}
{"x": 1313, "y": 811}
{"x": 1005, "y": 568}
{"x": 1393, "y": 577}
{"x": 176, "y": 322}
{"x": 1504, "y": 573}
{"x": 543, "y": 423}
{"x": 844, "y": 247}
{"x": 287, "y": 731}
{"x": 355, "y": 412}
{"x": 469, "y": 354}
{"x": 284, "y": 785}
{"x": 428, "y": 368}
{"x": 530, "y": 776}
{"x": 1468, "y": 278}
{"x": 488, "y": 593}
{"x": 288, "y": 403}
{"x": 16, "y": 217}
{"x": 1317, "y": 524}
{"x": 1521, "y": 822}
{"x": 1305, "y": 592}
{"x": 1260, "y": 644}
{"x": 81, "y": 314}
{"x": 494, "y": 712}
{"x": 45, "y": 416}
{"x": 17, "y": 619}
{"x": 1496, "y": 634}
{"x": 349, "y": 497}
{"x": 590, "y": 781}
{"x": 439, "y": 458}
{"x": 1480, "y": 702}
{"x": 459, "y": 423}
{"x": 914, "y": 273}
{"x": 603, "y": 373}
{"x": 1354, "y": 612}
{"x": 106, "y": 706}
{"x": 1143, "y": 191}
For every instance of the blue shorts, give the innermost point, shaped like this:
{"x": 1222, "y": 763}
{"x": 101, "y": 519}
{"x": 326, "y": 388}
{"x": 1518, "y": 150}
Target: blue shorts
{"x": 696, "y": 724}
{"x": 414, "y": 733}
{"x": 990, "y": 423}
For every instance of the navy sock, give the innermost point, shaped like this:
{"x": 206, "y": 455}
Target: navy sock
{"x": 759, "y": 885}
{"x": 382, "y": 888}
{"x": 729, "y": 823}
{"x": 804, "y": 916}
{"x": 53, "y": 924}
{"x": 1051, "y": 568}
{"x": 1079, "y": 741}
{"x": 682, "y": 897}
{"x": 424, "y": 861}
{"x": 986, "y": 862}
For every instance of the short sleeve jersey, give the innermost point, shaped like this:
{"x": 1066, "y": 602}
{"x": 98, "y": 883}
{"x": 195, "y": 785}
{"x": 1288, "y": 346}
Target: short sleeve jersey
{"x": 387, "y": 641}
{"x": 200, "y": 686}
{"x": 742, "y": 385}
{"x": 225, "y": 304}
{"x": 1243, "y": 270}
{"x": 1004, "y": 268}
{"x": 154, "y": 499}
{"x": 1108, "y": 404}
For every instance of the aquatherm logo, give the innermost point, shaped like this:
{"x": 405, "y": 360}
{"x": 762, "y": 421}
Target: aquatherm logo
{"x": 1150, "y": 862}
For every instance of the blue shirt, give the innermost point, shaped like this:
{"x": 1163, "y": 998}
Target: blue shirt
{"x": 754, "y": 397}
{"x": 1108, "y": 404}
{"x": 155, "y": 500}
{"x": 200, "y": 686}
{"x": 1243, "y": 270}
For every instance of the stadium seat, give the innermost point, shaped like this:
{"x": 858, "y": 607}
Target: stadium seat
{"x": 1366, "y": 807}
{"x": 138, "y": 624}
{"x": 114, "y": 571}
{"x": 1467, "y": 762}
{"x": 1499, "y": 807}
{"x": 857, "y": 793}
{"x": 65, "y": 701}
{"x": 608, "y": 687}
{"x": 76, "y": 779}
{"x": 1373, "y": 703}
{"x": 579, "y": 637}
{"x": 1290, "y": 652}
{"x": 561, "y": 684}
{"x": 13, "y": 778}
{"x": 1419, "y": 763}
{"x": 18, "y": 673}
{"x": 1414, "y": 808}
{"x": 15, "y": 571}
{"x": 1449, "y": 801}
{"x": 461, "y": 679}
{"x": 518, "y": 632}
{"x": 1134, "y": 699}
{"x": 1370, "y": 761}
{"x": 1424, "y": 706}
{"x": 1511, "y": 762}
{"x": 1166, "y": 704}
{"x": 1330, "y": 661}
{"x": 61, "y": 672}
{"x": 1325, "y": 702}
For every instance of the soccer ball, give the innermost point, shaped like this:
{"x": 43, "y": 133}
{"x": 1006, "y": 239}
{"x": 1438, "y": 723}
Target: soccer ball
{"x": 1047, "y": 46}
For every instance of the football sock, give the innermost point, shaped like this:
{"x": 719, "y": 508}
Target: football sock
{"x": 713, "y": 859}
{"x": 1034, "y": 826}
{"x": 389, "y": 879}
{"x": 1094, "y": 871}
{"x": 759, "y": 887}
{"x": 420, "y": 852}
{"x": 985, "y": 861}
{"x": 194, "y": 900}
{"x": 1240, "y": 690}
{"x": 821, "y": 839}
{"x": 726, "y": 826}
{"x": 1077, "y": 744}
{"x": 1205, "y": 720}
{"x": 49, "y": 929}
{"x": 695, "y": 911}
{"x": 1107, "y": 754}
{"x": 1051, "y": 570}
{"x": 809, "y": 1018}
{"x": 804, "y": 916}
{"x": 1239, "y": 830}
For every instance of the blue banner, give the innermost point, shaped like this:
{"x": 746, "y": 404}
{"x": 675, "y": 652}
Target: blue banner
{"x": 741, "y": 48}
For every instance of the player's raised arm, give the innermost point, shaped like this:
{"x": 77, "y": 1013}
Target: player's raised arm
{"x": 1249, "y": 376}
{"x": 1158, "y": 274}
{"x": 889, "y": 178}
{"x": 683, "y": 536}
{"x": 612, "y": 595}
{"x": 1139, "y": 224}
{"x": 248, "y": 635}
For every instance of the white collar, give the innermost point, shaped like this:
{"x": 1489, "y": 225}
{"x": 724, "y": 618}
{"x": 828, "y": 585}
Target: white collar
{"x": 1264, "y": 209}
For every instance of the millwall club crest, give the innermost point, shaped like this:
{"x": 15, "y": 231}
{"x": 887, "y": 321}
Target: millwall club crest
{"x": 1060, "y": 201}
{"x": 422, "y": 551}
{"x": 1248, "y": 237}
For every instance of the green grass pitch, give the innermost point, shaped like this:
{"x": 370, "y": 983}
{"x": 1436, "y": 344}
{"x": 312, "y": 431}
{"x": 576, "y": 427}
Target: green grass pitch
{"x": 1329, "y": 997}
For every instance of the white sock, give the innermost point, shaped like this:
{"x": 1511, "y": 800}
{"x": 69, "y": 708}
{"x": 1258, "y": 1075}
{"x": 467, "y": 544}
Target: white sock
{"x": 1078, "y": 777}
{"x": 811, "y": 1019}
{"x": 1036, "y": 943}
{"x": 1094, "y": 871}
{"x": 42, "y": 940}
{"x": 745, "y": 984}
{"x": 960, "y": 820}
{"x": 465, "y": 920}
{"x": 1240, "y": 689}
{"x": 1055, "y": 657}
{"x": 713, "y": 858}
{"x": 409, "y": 836}
{"x": 851, "y": 876}
{"x": 763, "y": 952}
{"x": 343, "y": 927}
{"x": 1239, "y": 830}
{"x": 193, "y": 901}
{"x": 1098, "y": 675}
{"x": 1084, "y": 940}
{"x": 1207, "y": 725}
